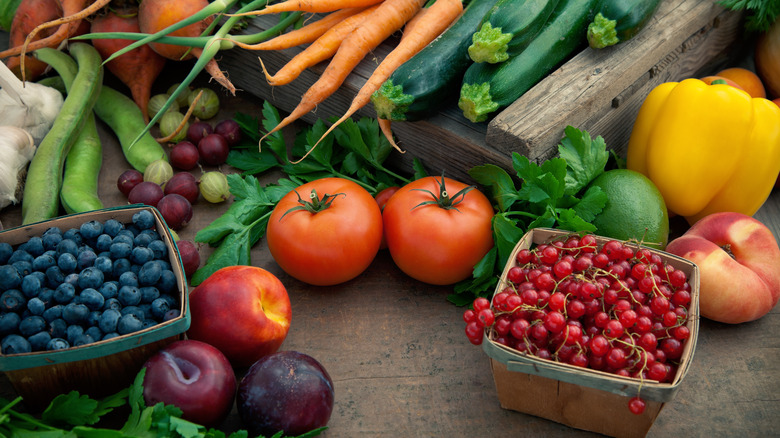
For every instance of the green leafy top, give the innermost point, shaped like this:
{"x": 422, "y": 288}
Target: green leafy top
{"x": 553, "y": 194}
{"x": 760, "y": 13}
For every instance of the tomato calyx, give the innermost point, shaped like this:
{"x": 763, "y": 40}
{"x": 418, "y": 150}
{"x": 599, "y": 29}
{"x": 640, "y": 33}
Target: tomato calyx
{"x": 443, "y": 199}
{"x": 315, "y": 204}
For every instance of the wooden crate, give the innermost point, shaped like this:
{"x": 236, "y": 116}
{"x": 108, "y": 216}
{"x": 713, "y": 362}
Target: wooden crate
{"x": 597, "y": 90}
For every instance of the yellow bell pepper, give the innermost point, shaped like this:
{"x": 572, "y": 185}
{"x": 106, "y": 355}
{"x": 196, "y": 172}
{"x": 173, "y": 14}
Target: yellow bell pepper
{"x": 708, "y": 148}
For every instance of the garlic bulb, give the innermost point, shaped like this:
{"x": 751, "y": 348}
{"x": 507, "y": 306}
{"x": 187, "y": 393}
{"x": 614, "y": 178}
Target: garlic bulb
{"x": 17, "y": 148}
{"x": 27, "y": 105}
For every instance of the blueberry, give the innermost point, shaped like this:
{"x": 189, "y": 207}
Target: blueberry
{"x": 57, "y": 344}
{"x": 43, "y": 262}
{"x": 94, "y": 332}
{"x": 31, "y": 285}
{"x": 72, "y": 278}
{"x": 145, "y": 309}
{"x": 15, "y": 344}
{"x": 133, "y": 230}
{"x": 128, "y": 323}
{"x": 92, "y": 299}
{"x": 144, "y": 219}
{"x": 68, "y": 246}
{"x": 165, "y": 264}
{"x": 83, "y": 339}
{"x": 167, "y": 283}
{"x": 159, "y": 248}
{"x": 112, "y": 227}
{"x": 86, "y": 258}
{"x": 20, "y": 255}
{"x": 12, "y": 300}
{"x": 32, "y": 325}
{"x": 9, "y": 323}
{"x": 135, "y": 268}
{"x": 149, "y": 294}
{"x": 125, "y": 236}
{"x": 112, "y": 303}
{"x": 135, "y": 310}
{"x": 58, "y": 328}
{"x": 109, "y": 289}
{"x": 67, "y": 262}
{"x": 108, "y": 320}
{"x": 143, "y": 239}
{"x": 36, "y": 306}
{"x": 73, "y": 332}
{"x": 149, "y": 323}
{"x": 50, "y": 240}
{"x": 52, "y": 313}
{"x": 94, "y": 317}
{"x": 33, "y": 246}
{"x": 120, "y": 250}
{"x": 91, "y": 229}
{"x": 152, "y": 233}
{"x": 128, "y": 278}
{"x": 129, "y": 295}
{"x": 75, "y": 313}
{"x": 111, "y": 335}
{"x": 54, "y": 276}
{"x": 103, "y": 242}
{"x": 9, "y": 277}
{"x": 39, "y": 341}
{"x": 104, "y": 264}
{"x": 73, "y": 234}
{"x": 5, "y": 252}
{"x": 171, "y": 314}
{"x": 23, "y": 267}
{"x": 46, "y": 295}
{"x": 160, "y": 307}
{"x": 121, "y": 266}
{"x": 141, "y": 255}
{"x": 91, "y": 277}
{"x": 64, "y": 293}
{"x": 150, "y": 273}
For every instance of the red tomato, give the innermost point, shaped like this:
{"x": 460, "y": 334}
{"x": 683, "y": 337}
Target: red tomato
{"x": 434, "y": 244}
{"x": 330, "y": 246}
{"x": 381, "y": 199}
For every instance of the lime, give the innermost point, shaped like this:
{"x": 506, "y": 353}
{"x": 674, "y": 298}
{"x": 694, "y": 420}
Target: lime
{"x": 635, "y": 208}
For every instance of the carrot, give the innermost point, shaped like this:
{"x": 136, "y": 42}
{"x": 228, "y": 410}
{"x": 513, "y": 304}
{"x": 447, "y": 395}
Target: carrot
{"x": 389, "y": 17}
{"x": 310, "y": 6}
{"x": 306, "y": 34}
{"x": 29, "y": 14}
{"x": 384, "y": 126}
{"x": 321, "y": 49}
{"x": 438, "y": 17}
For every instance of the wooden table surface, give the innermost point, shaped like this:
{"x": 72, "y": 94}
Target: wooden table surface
{"x": 402, "y": 365}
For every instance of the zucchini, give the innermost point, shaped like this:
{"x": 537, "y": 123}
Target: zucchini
{"x": 424, "y": 84}
{"x": 508, "y": 28}
{"x": 619, "y": 20}
{"x": 488, "y": 88}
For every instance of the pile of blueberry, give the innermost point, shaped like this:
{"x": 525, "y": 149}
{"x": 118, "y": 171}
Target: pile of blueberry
{"x": 82, "y": 285}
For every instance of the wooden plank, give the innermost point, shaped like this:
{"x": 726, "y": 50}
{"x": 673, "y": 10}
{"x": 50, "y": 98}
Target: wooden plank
{"x": 601, "y": 90}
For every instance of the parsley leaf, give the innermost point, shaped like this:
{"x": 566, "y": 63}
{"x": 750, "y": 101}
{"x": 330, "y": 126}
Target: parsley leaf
{"x": 585, "y": 160}
{"x": 760, "y": 14}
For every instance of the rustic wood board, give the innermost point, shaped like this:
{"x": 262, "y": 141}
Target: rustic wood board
{"x": 597, "y": 90}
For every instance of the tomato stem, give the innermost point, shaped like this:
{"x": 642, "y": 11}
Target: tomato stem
{"x": 443, "y": 199}
{"x": 315, "y": 204}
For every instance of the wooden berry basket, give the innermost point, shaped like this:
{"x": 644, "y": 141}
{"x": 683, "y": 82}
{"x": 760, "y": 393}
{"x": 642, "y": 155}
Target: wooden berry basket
{"x": 584, "y": 398}
{"x": 104, "y": 367}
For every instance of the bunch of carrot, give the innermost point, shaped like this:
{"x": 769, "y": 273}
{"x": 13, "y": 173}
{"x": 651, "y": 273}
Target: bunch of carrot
{"x": 351, "y": 30}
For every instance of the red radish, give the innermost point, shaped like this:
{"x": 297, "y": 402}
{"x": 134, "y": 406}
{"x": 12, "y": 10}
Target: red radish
{"x": 138, "y": 68}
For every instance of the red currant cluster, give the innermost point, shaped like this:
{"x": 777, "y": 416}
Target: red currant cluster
{"x": 618, "y": 308}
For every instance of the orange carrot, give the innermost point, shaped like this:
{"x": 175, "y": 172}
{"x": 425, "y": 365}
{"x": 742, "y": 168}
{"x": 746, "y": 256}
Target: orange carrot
{"x": 439, "y": 16}
{"x": 389, "y": 17}
{"x": 310, "y": 6}
{"x": 321, "y": 49}
{"x": 306, "y": 34}
{"x": 384, "y": 126}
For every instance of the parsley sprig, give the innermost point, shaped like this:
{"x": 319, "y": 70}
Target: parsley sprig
{"x": 553, "y": 194}
{"x": 760, "y": 14}
{"x": 356, "y": 150}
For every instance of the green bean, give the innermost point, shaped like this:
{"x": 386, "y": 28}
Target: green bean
{"x": 79, "y": 192}
{"x": 44, "y": 175}
{"x": 124, "y": 117}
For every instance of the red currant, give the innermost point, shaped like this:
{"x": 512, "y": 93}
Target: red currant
{"x": 636, "y": 405}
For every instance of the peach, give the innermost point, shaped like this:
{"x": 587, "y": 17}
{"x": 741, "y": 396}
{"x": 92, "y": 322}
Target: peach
{"x": 738, "y": 258}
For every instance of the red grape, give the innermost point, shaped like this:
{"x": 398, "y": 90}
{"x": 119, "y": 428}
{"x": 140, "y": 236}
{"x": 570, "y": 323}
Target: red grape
{"x": 184, "y": 155}
{"x": 185, "y": 184}
{"x": 229, "y": 129}
{"x": 129, "y": 179}
{"x": 176, "y": 210}
{"x": 146, "y": 192}
{"x": 213, "y": 149}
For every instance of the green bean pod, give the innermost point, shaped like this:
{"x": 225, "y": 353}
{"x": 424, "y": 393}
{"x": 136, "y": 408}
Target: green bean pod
{"x": 124, "y": 117}
{"x": 41, "y": 200}
{"x": 79, "y": 192}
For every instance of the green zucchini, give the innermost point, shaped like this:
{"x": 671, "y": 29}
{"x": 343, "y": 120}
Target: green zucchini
{"x": 508, "y": 28}
{"x": 619, "y": 20}
{"x": 423, "y": 85}
{"x": 488, "y": 88}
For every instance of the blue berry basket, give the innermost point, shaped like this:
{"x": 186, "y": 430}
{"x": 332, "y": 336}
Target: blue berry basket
{"x": 578, "y": 397}
{"x": 105, "y": 366}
